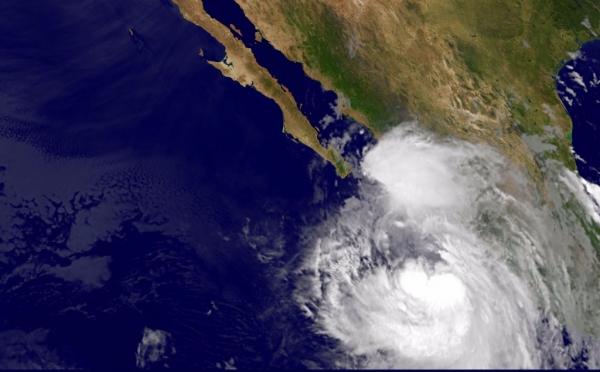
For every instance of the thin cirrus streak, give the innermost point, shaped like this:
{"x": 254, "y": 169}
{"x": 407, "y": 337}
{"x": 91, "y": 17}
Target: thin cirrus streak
{"x": 436, "y": 263}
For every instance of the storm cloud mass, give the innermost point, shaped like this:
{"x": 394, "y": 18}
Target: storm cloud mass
{"x": 445, "y": 259}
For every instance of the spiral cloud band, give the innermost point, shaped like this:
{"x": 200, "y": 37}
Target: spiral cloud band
{"x": 433, "y": 265}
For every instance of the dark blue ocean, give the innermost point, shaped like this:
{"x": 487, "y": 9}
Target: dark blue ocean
{"x": 578, "y": 85}
{"x": 149, "y": 206}
{"x": 146, "y": 201}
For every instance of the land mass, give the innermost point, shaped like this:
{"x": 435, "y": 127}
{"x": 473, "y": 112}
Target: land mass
{"x": 482, "y": 70}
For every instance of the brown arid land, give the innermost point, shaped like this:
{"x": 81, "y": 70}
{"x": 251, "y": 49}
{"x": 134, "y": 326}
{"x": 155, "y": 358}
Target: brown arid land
{"x": 478, "y": 70}
{"x": 240, "y": 65}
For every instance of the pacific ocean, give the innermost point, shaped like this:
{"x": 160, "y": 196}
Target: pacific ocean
{"x": 154, "y": 214}
{"x": 146, "y": 200}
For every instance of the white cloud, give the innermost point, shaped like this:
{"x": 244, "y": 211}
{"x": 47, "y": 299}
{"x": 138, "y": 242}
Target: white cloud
{"x": 595, "y": 82}
{"x": 92, "y": 272}
{"x": 548, "y": 110}
{"x": 586, "y": 23}
{"x": 578, "y": 79}
{"x": 327, "y": 119}
{"x": 154, "y": 347}
{"x": 570, "y": 91}
{"x": 575, "y": 55}
{"x": 434, "y": 265}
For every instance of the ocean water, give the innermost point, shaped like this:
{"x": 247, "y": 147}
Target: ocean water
{"x": 145, "y": 197}
{"x": 578, "y": 85}
{"x": 153, "y": 214}
{"x": 315, "y": 102}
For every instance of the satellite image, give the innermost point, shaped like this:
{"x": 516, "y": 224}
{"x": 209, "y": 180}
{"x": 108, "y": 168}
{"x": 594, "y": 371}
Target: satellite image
{"x": 299, "y": 184}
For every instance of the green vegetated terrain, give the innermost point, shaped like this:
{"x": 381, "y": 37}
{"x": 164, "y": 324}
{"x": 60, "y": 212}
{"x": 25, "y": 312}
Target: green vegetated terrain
{"x": 522, "y": 50}
{"x": 325, "y": 48}
{"x": 503, "y": 52}
{"x": 591, "y": 228}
